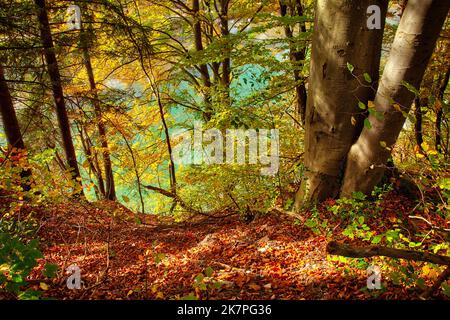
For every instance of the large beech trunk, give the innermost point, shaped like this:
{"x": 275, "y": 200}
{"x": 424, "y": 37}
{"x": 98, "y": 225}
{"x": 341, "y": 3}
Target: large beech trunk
{"x": 413, "y": 46}
{"x": 340, "y": 37}
{"x": 53, "y": 71}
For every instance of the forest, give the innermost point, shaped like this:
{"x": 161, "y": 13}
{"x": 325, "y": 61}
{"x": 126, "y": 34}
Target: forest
{"x": 224, "y": 150}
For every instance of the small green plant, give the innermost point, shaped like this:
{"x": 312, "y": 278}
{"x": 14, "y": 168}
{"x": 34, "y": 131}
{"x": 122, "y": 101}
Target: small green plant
{"x": 203, "y": 285}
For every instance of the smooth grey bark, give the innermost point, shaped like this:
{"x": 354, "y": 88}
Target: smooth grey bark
{"x": 412, "y": 48}
{"x": 340, "y": 36}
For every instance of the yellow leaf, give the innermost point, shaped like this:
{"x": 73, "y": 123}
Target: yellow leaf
{"x": 130, "y": 293}
{"x": 160, "y": 295}
{"x": 397, "y": 107}
{"x": 420, "y": 156}
{"x": 371, "y": 104}
{"x": 43, "y": 286}
{"x": 353, "y": 121}
{"x": 425, "y": 146}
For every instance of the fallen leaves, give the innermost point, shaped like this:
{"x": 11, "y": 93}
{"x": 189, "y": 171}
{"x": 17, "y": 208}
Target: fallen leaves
{"x": 270, "y": 258}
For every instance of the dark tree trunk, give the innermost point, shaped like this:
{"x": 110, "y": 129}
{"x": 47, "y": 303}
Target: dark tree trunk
{"x": 296, "y": 56}
{"x": 440, "y": 112}
{"x": 203, "y": 68}
{"x": 418, "y": 124}
{"x": 11, "y": 124}
{"x": 58, "y": 95}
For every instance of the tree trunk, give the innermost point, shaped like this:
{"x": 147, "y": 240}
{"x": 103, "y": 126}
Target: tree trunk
{"x": 53, "y": 71}
{"x": 109, "y": 175}
{"x": 340, "y": 36}
{"x": 412, "y": 48}
{"x": 203, "y": 68}
{"x": 91, "y": 160}
{"x": 418, "y": 124}
{"x": 297, "y": 57}
{"x": 11, "y": 125}
{"x": 440, "y": 112}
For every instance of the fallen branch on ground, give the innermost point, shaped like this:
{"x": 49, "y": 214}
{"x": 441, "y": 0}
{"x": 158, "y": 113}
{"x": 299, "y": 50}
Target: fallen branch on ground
{"x": 432, "y": 226}
{"x": 346, "y": 250}
{"x": 184, "y": 205}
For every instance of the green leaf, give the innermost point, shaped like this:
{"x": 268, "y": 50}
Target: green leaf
{"x": 310, "y": 223}
{"x": 361, "y": 105}
{"x": 361, "y": 220}
{"x": 383, "y": 144}
{"x": 191, "y": 296}
{"x": 410, "y": 87}
{"x": 446, "y": 289}
{"x": 377, "y": 239}
{"x": 209, "y": 272}
{"x": 199, "y": 278}
{"x": 50, "y": 270}
{"x": 367, "y": 124}
{"x": 350, "y": 67}
{"x": 367, "y": 77}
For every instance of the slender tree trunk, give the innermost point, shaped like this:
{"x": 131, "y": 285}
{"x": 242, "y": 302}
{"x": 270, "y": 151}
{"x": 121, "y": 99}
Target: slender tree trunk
{"x": 418, "y": 124}
{"x": 226, "y": 63}
{"x": 90, "y": 159}
{"x": 340, "y": 37}
{"x": 440, "y": 112}
{"x": 203, "y": 68}
{"x": 297, "y": 57}
{"x": 109, "y": 175}
{"x": 53, "y": 71}
{"x": 413, "y": 46}
{"x": 11, "y": 124}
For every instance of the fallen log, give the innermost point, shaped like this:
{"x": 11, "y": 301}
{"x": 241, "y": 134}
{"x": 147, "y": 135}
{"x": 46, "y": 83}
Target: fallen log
{"x": 346, "y": 250}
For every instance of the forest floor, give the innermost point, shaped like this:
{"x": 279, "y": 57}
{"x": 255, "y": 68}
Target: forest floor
{"x": 269, "y": 258}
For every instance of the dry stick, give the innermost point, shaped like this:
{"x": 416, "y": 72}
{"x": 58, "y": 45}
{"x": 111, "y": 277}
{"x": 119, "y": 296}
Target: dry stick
{"x": 432, "y": 226}
{"x": 184, "y": 205}
{"x": 346, "y": 250}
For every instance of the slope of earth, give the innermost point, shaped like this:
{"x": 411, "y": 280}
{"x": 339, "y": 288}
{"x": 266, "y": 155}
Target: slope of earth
{"x": 269, "y": 258}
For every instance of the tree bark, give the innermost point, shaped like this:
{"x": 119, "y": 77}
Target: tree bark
{"x": 418, "y": 124}
{"x": 110, "y": 192}
{"x": 297, "y": 57}
{"x": 340, "y": 36}
{"x": 346, "y": 250}
{"x": 412, "y": 48}
{"x": 203, "y": 68}
{"x": 11, "y": 124}
{"x": 58, "y": 95}
{"x": 440, "y": 112}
